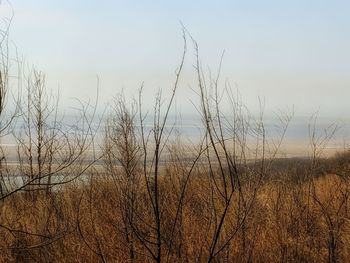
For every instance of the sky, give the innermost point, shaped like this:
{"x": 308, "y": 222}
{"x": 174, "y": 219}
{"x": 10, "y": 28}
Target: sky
{"x": 290, "y": 53}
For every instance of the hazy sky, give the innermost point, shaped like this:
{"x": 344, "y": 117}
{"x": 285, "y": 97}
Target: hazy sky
{"x": 291, "y": 52}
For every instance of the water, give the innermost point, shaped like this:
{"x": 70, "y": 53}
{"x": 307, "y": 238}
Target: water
{"x": 191, "y": 130}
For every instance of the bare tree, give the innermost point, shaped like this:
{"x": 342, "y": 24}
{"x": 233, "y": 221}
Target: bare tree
{"x": 10, "y": 75}
{"x": 122, "y": 154}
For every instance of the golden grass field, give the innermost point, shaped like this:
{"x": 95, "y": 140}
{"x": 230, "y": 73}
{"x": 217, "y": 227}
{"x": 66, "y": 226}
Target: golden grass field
{"x": 291, "y": 219}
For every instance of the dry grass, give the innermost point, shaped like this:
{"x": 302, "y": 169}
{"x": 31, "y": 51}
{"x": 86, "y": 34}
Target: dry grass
{"x": 287, "y": 222}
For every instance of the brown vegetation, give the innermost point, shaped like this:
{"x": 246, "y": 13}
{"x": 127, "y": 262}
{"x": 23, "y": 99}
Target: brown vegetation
{"x": 102, "y": 222}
